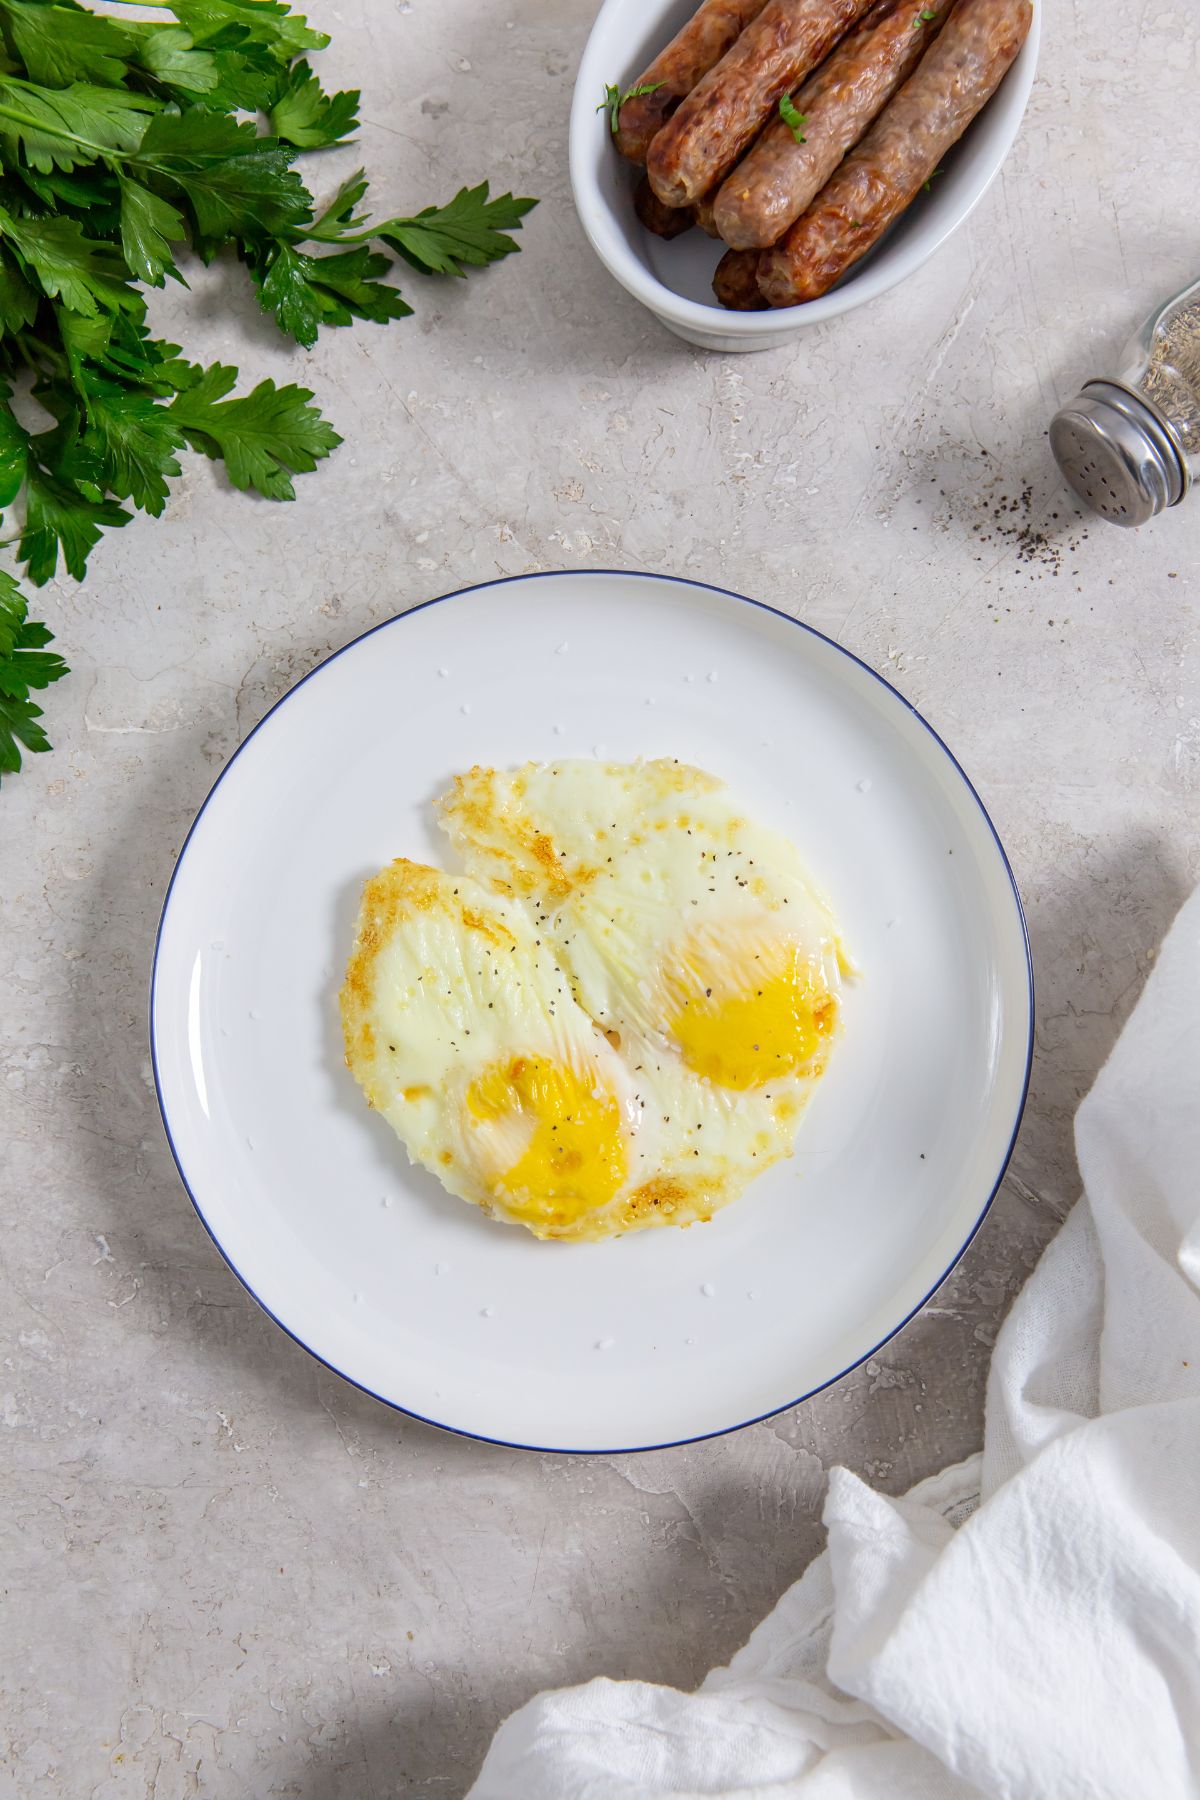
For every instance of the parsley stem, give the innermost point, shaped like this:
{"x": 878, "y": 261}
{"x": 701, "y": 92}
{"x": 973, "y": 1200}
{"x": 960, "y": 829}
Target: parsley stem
{"x": 364, "y": 236}
{"x": 350, "y": 237}
{"x": 37, "y": 353}
{"x": 319, "y": 236}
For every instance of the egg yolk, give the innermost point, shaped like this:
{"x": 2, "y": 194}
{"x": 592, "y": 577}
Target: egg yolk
{"x": 774, "y": 1017}
{"x": 573, "y": 1160}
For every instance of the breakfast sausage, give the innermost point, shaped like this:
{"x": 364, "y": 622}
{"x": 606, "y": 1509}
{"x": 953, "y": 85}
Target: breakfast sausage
{"x": 700, "y": 142}
{"x": 736, "y": 282}
{"x": 675, "y": 71}
{"x": 780, "y": 177}
{"x": 703, "y": 210}
{"x": 663, "y": 221}
{"x": 956, "y": 77}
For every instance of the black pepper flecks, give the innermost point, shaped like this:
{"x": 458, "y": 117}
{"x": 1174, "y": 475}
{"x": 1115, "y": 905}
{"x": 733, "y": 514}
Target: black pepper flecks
{"x": 1043, "y": 537}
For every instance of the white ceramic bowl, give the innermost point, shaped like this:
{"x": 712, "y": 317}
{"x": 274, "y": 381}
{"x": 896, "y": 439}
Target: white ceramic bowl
{"x": 675, "y": 279}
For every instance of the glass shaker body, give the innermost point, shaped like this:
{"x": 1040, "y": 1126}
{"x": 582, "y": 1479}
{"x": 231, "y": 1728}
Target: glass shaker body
{"x": 1130, "y": 445}
{"x": 1162, "y": 363}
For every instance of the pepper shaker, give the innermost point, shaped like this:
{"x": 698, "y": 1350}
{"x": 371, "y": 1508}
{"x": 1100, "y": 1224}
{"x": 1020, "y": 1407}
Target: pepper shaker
{"x": 1130, "y": 446}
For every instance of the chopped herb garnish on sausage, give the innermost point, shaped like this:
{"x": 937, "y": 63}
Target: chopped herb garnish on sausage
{"x": 923, "y": 18}
{"x": 614, "y": 99}
{"x": 928, "y": 184}
{"x": 793, "y": 118}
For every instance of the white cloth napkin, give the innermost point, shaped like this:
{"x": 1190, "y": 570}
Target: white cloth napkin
{"x": 1028, "y": 1624}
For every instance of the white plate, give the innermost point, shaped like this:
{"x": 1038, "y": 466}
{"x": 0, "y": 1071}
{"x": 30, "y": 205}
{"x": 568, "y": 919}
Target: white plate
{"x": 414, "y": 1295}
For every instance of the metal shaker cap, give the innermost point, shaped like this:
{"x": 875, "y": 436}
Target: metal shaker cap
{"x": 1118, "y": 454}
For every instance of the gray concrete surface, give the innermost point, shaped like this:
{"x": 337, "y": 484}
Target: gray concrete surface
{"x": 227, "y": 1574}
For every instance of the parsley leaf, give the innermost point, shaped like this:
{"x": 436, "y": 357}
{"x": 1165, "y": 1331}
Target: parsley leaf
{"x": 306, "y": 116}
{"x": 134, "y": 439}
{"x": 18, "y": 300}
{"x": 170, "y": 56}
{"x": 471, "y": 229}
{"x": 305, "y": 292}
{"x": 614, "y": 100}
{"x": 60, "y": 128}
{"x": 339, "y": 219}
{"x": 62, "y": 514}
{"x": 62, "y": 44}
{"x": 264, "y": 438}
{"x": 84, "y": 273}
{"x": 149, "y": 226}
{"x": 248, "y": 74}
{"x": 923, "y": 18}
{"x": 234, "y": 182}
{"x": 25, "y": 665}
{"x": 265, "y": 22}
{"x": 792, "y": 118}
{"x": 14, "y": 457}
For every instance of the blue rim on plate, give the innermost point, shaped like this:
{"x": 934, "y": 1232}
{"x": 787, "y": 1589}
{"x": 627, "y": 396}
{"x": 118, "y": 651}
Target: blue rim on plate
{"x": 758, "y": 1418}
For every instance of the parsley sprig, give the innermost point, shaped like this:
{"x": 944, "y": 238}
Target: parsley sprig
{"x": 614, "y": 100}
{"x": 124, "y": 143}
{"x": 793, "y": 118}
{"x": 25, "y": 664}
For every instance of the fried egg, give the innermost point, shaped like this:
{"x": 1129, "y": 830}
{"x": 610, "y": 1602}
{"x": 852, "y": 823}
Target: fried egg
{"x": 614, "y": 1018}
{"x": 461, "y": 1029}
{"x": 681, "y": 921}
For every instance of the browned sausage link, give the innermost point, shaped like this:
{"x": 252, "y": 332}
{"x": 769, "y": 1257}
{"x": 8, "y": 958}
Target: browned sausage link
{"x": 736, "y": 282}
{"x": 957, "y": 76}
{"x": 675, "y": 71}
{"x": 701, "y": 142}
{"x": 703, "y": 210}
{"x": 779, "y": 178}
{"x": 663, "y": 221}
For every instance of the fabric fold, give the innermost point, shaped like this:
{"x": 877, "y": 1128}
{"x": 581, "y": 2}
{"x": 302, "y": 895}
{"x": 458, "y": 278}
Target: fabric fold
{"x": 1043, "y": 1643}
